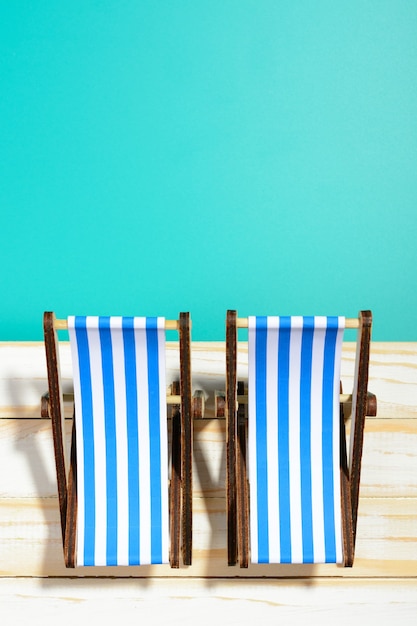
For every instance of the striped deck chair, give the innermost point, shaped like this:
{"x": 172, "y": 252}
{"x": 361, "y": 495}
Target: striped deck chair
{"x": 292, "y": 494}
{"x": 117, "y": 504}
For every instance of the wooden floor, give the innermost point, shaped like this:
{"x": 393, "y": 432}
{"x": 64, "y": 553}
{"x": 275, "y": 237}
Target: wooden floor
{"x": 35, "y": 586}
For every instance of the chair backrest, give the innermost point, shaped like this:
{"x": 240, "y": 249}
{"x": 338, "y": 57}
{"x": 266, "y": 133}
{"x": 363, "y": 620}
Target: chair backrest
{"x": 121, "y": 435}
{"x": 293, "y": 439}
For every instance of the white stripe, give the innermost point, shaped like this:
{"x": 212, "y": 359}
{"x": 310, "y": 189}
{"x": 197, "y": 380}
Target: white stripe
{"x": 94, "y": 347}
{"x": 252, "y": 437}
{"x": 143, "y": 430}
{"x": 99, "y": 440}
{"x": 294, "y": 440}
{"x": 316, "y": 439}
{"x": 272, "y": 439}
{"x": 79, "y": 558}
{"x": 336, "y": 442}
{"x": 121, "y": 440}
{"x": 164, "y": 439}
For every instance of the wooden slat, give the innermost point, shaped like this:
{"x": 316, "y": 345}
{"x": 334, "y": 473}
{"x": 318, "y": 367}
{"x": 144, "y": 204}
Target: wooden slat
{"x": 30, "y": 544}
{"x": 30, "y": 541}
{"x": 392, "y": 375}
{"x": 23, "y": 377}
{"x": 342, "y": 602}
{"x": 26, "y": 454}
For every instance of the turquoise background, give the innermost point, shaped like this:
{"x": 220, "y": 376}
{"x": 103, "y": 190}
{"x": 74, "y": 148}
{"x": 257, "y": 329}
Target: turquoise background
{"x": 159, "y": 156}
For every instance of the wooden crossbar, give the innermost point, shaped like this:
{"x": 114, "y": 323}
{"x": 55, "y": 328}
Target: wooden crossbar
{"x": 345, "y": 398}
{"x": 171, "y": 399}
{"x": 350, "y": 322}
{"x": 63, "y": 324}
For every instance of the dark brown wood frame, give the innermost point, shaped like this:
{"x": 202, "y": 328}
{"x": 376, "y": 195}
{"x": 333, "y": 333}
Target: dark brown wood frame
{"x": 180, "y": 493}
{"x": 363, "y": 404}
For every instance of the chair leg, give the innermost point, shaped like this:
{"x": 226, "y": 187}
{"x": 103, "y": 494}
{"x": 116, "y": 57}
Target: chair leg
{"x": 236, "y": 440}
{"x": 242, "y": 491}
{"x": 346, "y": 503}
{"x": 231, "y": 432}
{"x": 186, "y": 437}
{"x": 359, "y": 410}
{"x": 56, "y": 413}
{"x": 175, "y": 489}
{"x": 71, "y": 519}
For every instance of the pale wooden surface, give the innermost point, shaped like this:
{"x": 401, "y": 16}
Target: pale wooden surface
{"x": 151, "y": 602}
{"x": 393, "y": 375}
{"x": 382, "y": 583}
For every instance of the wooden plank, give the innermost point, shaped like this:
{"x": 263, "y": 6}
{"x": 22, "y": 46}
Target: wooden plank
{"x": 243, "y": 602}
{"x": 393, "y": 374}
{"x": 27, "y": 461}
{"x": 23, "y": 377}
{"x": 389, "y": 466}
{"x": 30, "y": 543}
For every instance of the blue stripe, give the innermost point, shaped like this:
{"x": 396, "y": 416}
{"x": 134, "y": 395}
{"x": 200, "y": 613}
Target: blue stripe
{"x": 261, "y": 434}
{"x": 132, "y": 438}
{"x": 88, "y": 439}
{"x": 155, "y": 439}
{"x": 305, "y": 439}
{"x": 328, "y": 478}
{"x": 283, "y": 438}
{"x": 110, "y": 439}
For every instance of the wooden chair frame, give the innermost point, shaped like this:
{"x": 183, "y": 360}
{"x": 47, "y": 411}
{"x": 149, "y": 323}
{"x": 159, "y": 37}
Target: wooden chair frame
{"x": 363, "y": 404}
{"x": 180, "y": 492}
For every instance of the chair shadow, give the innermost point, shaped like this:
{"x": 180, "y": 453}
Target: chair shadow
{"x": 31, "y": 448}
{"x": 34, "y": 451}
{"x": 302, "y": 574}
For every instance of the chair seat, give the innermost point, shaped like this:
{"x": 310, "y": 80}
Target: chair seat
{"x": 121, "y": 430}
{"x": 123, "y": 499}
{"x": 292, "y": 491}
{"x": 294, "y": 456}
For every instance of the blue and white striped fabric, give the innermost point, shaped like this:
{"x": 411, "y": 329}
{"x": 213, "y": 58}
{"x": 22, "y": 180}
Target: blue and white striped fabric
{"x": 294, "y": 472}
{"x": 121, "y": 434}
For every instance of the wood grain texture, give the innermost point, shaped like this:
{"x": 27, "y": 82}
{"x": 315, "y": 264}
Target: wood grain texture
{"x": 30, "y": 544}
{"x": 27, "y": 461}
{"x": 381, "y": 585}
{"x": 184, "y": 602}
{"x": 392, "y": 375}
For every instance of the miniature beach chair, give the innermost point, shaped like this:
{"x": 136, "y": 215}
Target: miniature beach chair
{"x": 116, "y": 504}
{"x": 297, "y": 501}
